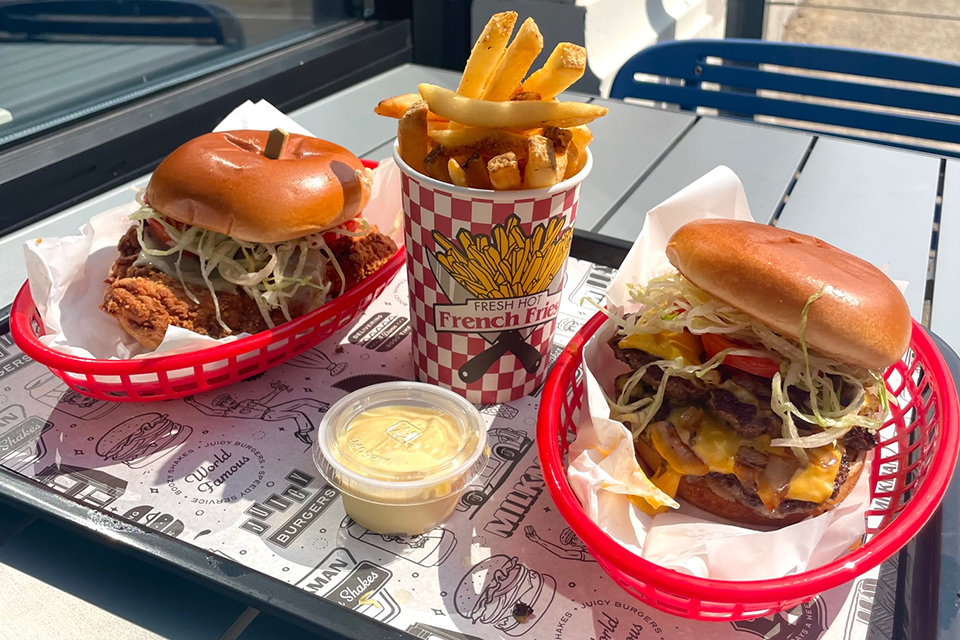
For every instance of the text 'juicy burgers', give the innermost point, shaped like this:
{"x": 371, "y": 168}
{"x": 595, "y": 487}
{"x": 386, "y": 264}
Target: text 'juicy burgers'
{"x": 228, "y": 240}
{"x": 756, "y": 388}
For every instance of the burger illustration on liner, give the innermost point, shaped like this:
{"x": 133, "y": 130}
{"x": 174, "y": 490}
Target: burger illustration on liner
{"x": 755, "y": 389}
{"x": 140, "y": 440}
{"x": 500, "y": 591}
{"x": 228, "y": 240}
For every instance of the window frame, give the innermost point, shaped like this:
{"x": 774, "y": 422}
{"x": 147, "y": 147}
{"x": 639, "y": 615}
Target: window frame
{"x": 55, "y": 170}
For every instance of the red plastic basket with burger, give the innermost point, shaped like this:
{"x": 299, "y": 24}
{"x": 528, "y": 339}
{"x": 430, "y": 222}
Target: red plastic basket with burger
{"x": 732, "y": 405}
{"x": 247, "y": 247}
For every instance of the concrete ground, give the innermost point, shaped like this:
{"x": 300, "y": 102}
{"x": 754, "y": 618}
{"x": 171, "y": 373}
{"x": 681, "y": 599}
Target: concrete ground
{"x": 926, "y": 28}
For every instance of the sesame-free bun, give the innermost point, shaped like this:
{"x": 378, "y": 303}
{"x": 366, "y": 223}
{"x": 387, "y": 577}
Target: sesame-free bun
{"x": 223, "y": 182}
{"x": 770, "y": 273}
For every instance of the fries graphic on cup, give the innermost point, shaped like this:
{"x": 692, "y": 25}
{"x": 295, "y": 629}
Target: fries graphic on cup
{"x": 499, "y": 130}
{"x": 506, "y": 265}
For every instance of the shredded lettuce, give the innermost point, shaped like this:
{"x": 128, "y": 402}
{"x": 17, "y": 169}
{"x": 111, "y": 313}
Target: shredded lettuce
{"x": 272, "y": 274}
{"x": 672, "y": 303}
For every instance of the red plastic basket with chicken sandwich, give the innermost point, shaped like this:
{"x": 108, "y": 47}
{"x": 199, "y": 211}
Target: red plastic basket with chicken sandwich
{"x": 174, "y": 376}
{"x": 922, "y": 430}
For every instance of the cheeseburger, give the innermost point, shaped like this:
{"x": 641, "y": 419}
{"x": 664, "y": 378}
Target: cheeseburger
{"x": 228, "y": 240}
{"x": 756, "y": 386}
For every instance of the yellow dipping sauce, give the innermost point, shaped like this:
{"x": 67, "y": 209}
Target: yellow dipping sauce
{"x": 401, "y": 454}
{"x": 400, "y": 439}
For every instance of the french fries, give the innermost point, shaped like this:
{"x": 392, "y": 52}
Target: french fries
{"x": 572, "y": 158}
{"x": 489, "y": 142}
{"x": 542, "y": 169}
{"x": 412, "y": 136}
{"x": 515, "y": 63}
{"x": 486, "y": 54}
{"x": 564, "y": 67}
{"x": 504, "y": 172}
{"x": 396, "y": 106}
{"x": 475, "y": 169}
{"x": 559, "y": 137}
{"x": 523, "y": 114}
{"x": 436, "y": 164}
{"x": 582, "y": 136}
{"x": 499, "y": 131}
{"x": 457, "y": 174}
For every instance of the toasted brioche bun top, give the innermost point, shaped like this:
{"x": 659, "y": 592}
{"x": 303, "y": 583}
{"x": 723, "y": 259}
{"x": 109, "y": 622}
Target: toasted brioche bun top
{"x": 770, "y": 273}
{"x": 224, "y": 183}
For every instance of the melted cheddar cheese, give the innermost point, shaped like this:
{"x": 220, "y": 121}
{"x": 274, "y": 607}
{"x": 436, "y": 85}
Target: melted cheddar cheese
{"x": 667, "y": 345}
{"x": 717, "y": 445}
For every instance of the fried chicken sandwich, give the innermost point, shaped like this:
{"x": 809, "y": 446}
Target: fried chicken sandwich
{"x": 756, "y": 389}
{"x": 228, "y": 240}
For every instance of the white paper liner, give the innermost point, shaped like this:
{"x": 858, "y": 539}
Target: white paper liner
{"x": 603, "y": 468}
{"x": 67, "y": 275}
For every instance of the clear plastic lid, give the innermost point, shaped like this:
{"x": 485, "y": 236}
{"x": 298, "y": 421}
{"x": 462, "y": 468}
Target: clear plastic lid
{"x": 401, "y": 443}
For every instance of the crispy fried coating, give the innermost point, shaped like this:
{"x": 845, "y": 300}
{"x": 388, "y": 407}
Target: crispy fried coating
{"x": 145, "y": 301}
{"x": 359, "y": 257}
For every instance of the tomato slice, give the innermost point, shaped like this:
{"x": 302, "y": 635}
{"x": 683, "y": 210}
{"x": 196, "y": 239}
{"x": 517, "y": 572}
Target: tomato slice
{"x": 159, "y": 231}
{"x": 350, "y": 225}
{"x": 764, "y": 367}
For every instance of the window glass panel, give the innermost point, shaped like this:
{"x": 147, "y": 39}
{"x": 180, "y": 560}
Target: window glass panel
{"x": 61, "y": 60}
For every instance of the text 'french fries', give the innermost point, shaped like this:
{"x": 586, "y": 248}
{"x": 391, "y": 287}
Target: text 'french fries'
{"x": 508, "y": 263}
{"x": 499, "y": 130}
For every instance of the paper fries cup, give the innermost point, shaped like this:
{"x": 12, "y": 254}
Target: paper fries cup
{"x": 485, "y": 270}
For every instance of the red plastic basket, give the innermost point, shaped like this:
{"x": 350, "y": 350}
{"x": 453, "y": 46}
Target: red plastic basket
{"x": 906, "y": 486}
{"x": 175, "y": 376}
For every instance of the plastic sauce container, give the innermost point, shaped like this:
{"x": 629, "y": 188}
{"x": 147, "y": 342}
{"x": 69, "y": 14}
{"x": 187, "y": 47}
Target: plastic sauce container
{"x": 401, "y": 454}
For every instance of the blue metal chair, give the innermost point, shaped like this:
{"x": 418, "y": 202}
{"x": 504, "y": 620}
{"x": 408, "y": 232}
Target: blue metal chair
{"x": 124, "y": 21}
{"x": 740, "y": 70}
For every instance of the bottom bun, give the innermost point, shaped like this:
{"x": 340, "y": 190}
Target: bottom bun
{"x": 722, "y": 495}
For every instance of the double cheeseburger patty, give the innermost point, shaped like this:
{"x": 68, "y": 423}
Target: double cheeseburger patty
{"x": 768, "y": 436}
{"x": 230, "y": 241}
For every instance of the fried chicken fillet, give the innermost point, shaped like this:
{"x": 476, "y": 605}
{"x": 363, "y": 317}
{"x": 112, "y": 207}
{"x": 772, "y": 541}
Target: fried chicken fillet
{"x": 146, "y": 301}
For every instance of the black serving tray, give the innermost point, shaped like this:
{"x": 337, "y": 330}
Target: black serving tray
{"x": 916, "y": 595}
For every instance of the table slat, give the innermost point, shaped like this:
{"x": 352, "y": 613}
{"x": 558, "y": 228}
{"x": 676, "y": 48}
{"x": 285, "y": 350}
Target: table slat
{"x": 765, "y": 159}
{"x": 626, "y": 143}
{"x": 381, "y": 152}
{"x": 347, "y": 117}
{"x": 945, "y": 309}
{"x": 849, "y": 192}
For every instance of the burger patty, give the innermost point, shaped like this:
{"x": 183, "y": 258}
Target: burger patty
{"x": 715, "y": 395}
{"x": 146, "y": 301}
{"x": 740, "y": 487}
{"x": 727, "y": 486}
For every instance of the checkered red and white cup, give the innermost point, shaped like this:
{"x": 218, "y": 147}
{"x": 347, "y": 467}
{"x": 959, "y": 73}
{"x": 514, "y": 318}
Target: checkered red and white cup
{"x": 487, "y": 350}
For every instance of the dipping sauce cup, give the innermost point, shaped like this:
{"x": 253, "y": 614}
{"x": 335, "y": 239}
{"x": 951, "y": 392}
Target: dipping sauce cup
{"x": 401, "y": 453}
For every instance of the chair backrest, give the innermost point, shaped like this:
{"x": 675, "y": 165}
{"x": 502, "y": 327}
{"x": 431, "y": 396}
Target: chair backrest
{"x": 141, "y": 21}
{"x": 748, "y": 78}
